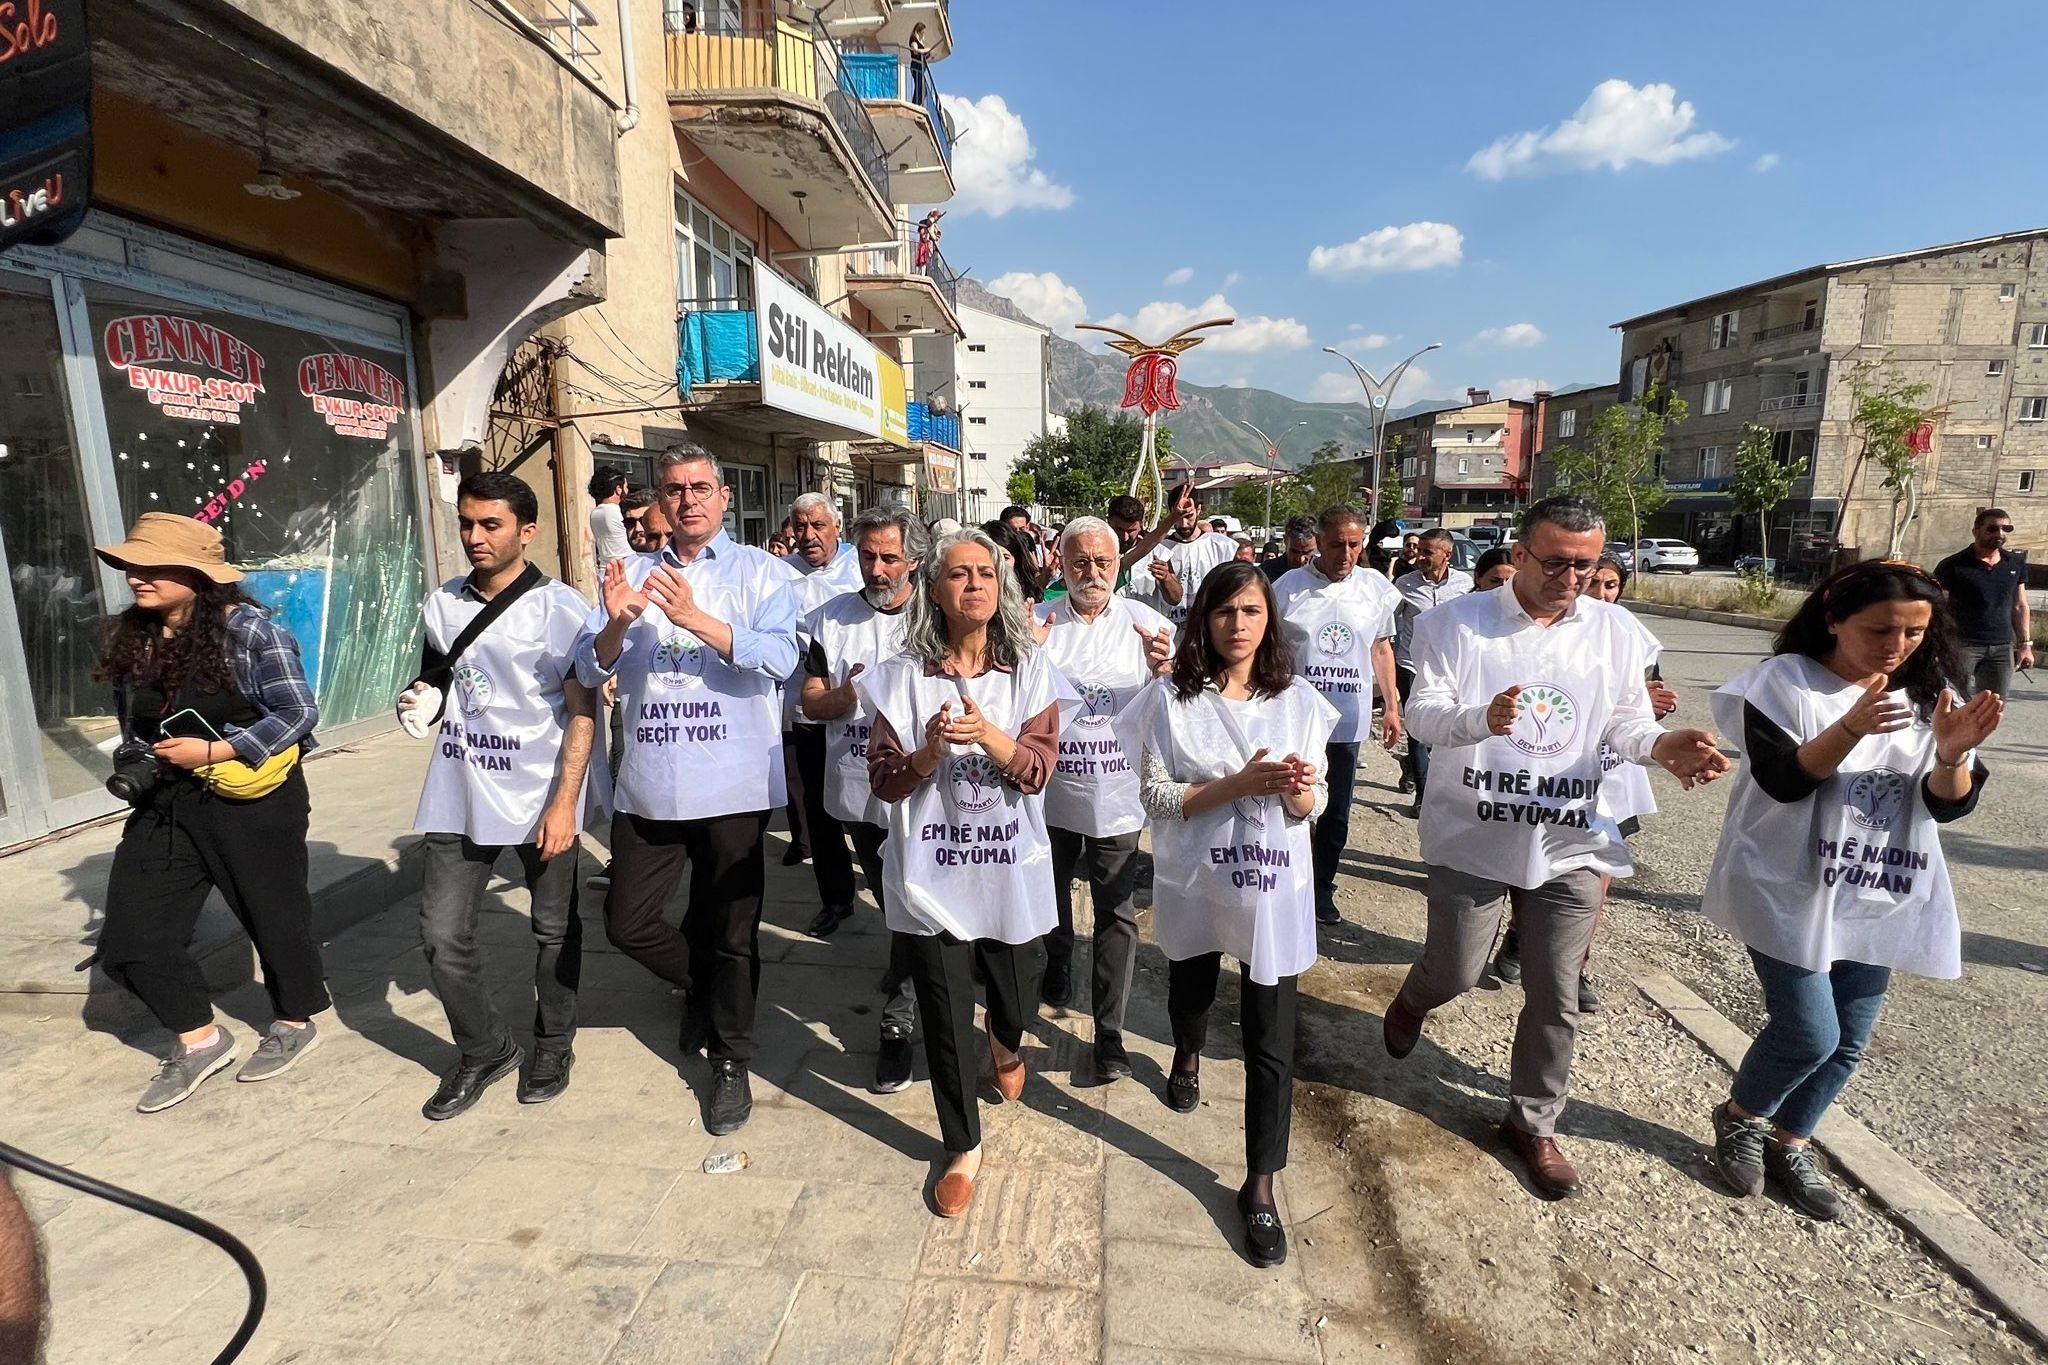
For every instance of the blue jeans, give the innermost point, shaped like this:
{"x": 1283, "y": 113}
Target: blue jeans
{"x": 1819, "y": 1026}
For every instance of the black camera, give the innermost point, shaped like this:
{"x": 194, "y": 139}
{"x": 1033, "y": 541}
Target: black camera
{"x": 137, "y": 771}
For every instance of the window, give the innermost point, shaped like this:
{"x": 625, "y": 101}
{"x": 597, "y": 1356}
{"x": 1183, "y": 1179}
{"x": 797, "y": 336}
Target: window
{"x": 1722, "y": 333}
{"x": 2034, "y": 409}
{"x": 977, "y": 347}
{"x": 977, "y": 383}
{"x": 714, "y": 264}
{"x": 2037, "y": 336}
{"x": 747, "y": 519}
{"x": 1983, "y": 443}
{"x": 1994, "y": 368}
{"x": 1464, "y": 466}
{"x": 29, "y": 386}
{"x": 1470, "y": 436}
{"x": 1710, "y": 462}
{"x": 2008, "y": 292}
{"x": 1408, "y": 467}
{"x": 2026, "y": 481}
{"x": 1720, "y": 393}
{"x": 1567, "y": 424}
{"x": 977, "y": 421}
{"x": 977, "y": 454}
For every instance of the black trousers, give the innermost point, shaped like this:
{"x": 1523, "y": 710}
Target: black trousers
{"x": 1333, "y": 828}
{"x": 457, "y": 871}
{"x": 943, "y": 969}
{"x": 1111, "y": 865}
{"x": 1267, "y": 1016}
{"x": 185, "y": 844}
{"x": 793, "y": 789}
{"x": 716, "y": 955}
{"x": 829, "y": 858}
{"x": 899, "y": 997}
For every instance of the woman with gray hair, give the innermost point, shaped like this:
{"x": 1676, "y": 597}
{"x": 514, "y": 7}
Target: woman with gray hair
{"x": 965, "y": 733}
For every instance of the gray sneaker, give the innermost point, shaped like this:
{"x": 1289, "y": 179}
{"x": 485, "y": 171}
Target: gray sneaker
{"x": 1739, "y": 1152}
{"x": 279, "y": 1051}
{"x": 182, "y": 1071}
{"x": 1799, "y": 1178}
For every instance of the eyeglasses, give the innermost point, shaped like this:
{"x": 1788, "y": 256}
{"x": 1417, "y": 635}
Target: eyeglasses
{"x": 2006, "y": 529}
{"x": 1558, "y": 568}
{"x": 690, "y": 492}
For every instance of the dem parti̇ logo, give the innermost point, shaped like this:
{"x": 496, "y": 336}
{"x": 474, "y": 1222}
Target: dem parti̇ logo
{"x": 678, "y": 659}
{"x": 1334, "y": 639}
{"x": 1876, "y": 798}
{"x": 1548, "y": 723}
{"x": 975, "y": 782}
{"x": 473, "y": 689}
{"x": 1098, "y": 704}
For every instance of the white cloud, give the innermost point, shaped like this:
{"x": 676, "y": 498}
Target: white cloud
{"x": 1342, "y": 386}
{"x": 1369, "y": 341}
{"x": 1766, "y": 163}
{"x": 1232, "y": 278}
{"x": 1180, "y": 276}
{"x": 1044, "y": 297}
{"x": 1514, "y": 334}
{"x": 1237, "y": 382}
{"x": 992, "y": 161}
{"x": 1390, "y": 250}
{"x": 1618, "y": 125}
{"x": 1521, "y": 388}
{"x": 1253, "y": 332}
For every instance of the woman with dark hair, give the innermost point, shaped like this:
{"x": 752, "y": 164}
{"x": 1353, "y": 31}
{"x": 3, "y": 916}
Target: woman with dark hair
{"x": 215, "y": 712}
{"x": 1023, "y": 557}
{"x": 1219, "y": 745}
{"x": 966, "y": 724}
{"x": 1493, "y": 568}
{"x": 1830, "y": 868}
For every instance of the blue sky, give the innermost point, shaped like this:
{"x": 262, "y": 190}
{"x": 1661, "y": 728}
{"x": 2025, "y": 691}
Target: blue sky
{"x": 1482, "y": 175}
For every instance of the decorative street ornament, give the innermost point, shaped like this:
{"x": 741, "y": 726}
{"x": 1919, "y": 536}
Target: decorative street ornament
{"x": 1149, "y": 387}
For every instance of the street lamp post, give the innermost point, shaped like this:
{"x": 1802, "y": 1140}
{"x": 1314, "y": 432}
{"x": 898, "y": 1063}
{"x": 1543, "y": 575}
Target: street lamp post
{"x": 1273, "y": 461}
{"x": 1379, "y": 394}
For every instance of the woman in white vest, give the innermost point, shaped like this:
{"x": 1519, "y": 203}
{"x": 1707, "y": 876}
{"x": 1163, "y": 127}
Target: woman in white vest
{"x": 1830, "y": 867}
{"x": 1220, "y": 747}
{"x": 965, "y": 733}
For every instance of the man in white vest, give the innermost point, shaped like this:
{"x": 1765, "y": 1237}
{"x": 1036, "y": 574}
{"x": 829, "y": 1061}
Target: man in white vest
{"x": 1107, "y": 647}
{"x": 1167, "y": 577}
{"x": 1340, "y": 618}
{"x": 826, "y": 567}
{"x": 846, "y": 637}
{"x": 1514, "y": 692}
{"x": 1430, "y": 584}
{"x": 510, "y": 770}
{"x": 701, "y": 637}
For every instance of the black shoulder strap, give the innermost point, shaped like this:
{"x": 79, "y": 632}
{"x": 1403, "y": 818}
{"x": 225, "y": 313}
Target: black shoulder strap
{"x": 438, "y": 666}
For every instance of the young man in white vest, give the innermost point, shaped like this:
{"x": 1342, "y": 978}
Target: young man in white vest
{"x": 827, "y": 567}
{"x": 1514, "y": 692}
{"x": 1339, "y": 616}
{"x": 844, "y": 638}
{"x": 1167, "y": 577}
{"x": 511, "y": 771}
{"x": 701, "y": 637}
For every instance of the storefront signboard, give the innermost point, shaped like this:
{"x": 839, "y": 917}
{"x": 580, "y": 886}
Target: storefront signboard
{"x": 145, "y": 346}
{"x": 941, "y": 470}
{"x": 45, "y": 127}
{"x": 814, "y": 365}
{"x": 356, "y": 397}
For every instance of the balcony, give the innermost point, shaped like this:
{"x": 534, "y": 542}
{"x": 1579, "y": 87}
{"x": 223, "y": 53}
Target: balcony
{"x": 771, "y": 104}
{"x": 1794, "y": 406}
{"x": 908, "y": 285}
{"x": 1788, "y": 338}
{"x": 934, "y": 428}
{"x": 914, "y": 127}
{"x": 718, "y": 346}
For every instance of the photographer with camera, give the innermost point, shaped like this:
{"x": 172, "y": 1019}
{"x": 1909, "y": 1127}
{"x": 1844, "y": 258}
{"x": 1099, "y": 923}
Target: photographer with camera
{"x": 215, "y": 713}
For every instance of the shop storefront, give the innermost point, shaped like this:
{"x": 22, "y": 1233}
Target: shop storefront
{"x": 140, "y": 372}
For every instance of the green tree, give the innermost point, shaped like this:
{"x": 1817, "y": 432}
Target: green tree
{"x": 1022, "y": 488}
{"x": 1392, "y": 502}
{"x": 1760, "y": 482}
{"x": 1886, "y": 417}
{"x": 1081, "y": 468}
{"x": 1615, "y": 464}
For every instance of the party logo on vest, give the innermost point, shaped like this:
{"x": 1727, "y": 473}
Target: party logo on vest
{"x": 1877, "y": 798}
{"x": 1098, "y": 704}
{"x": 1334, "y": 639}
{"x": 1251, "y": 810}
{"x": 473, "y": 689}
{"x": 1549, "y": 721}
{"x": 977, "y": 785}
{"x": 678, "y": 657}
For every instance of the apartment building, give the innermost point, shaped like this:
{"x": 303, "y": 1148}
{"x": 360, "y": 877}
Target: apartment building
{"x": 1562, "y": 419}
{"x": 1003, "y": 384}
{"x": 1479, "y": 459}
{"x": 1969, "y": 320}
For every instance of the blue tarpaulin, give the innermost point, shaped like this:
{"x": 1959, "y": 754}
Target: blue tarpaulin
{"x": 717, "y": 347}
{"x": 870, "y": 75}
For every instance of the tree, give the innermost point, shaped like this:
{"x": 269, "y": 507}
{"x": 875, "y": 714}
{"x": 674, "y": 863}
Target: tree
{"x": 1081, "y": 468}
{"x": 1392, "y": 502}
{"x": 1615, "y": 463}
{"x": 1760, "y": 481}
{"x": 1022, "y": 488}
{"x": 1891, "y": 429}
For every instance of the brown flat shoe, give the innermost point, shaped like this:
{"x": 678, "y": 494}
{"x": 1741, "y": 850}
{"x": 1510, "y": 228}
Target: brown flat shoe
{"x": 1553, "y": 1175}
{"x": 1009, "y": 1079}
{"x": 1402, "y": 1028}
{"x": 953, "y": 1194}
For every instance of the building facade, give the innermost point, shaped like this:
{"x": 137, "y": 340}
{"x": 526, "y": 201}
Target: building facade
{"x": 1561, "y": 421}
{"x": 1478, "y": 460}
{"x": 1004, "y": 387}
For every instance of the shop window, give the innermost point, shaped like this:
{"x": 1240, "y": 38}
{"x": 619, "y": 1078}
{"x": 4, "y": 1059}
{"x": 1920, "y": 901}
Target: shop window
{"x": 747, "y": 519}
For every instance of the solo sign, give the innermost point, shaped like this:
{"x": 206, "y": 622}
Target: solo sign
{"x": 146, "y": 345}
{"x": 46, "y": 146}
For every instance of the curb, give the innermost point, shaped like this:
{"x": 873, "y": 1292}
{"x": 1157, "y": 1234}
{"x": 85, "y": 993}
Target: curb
{"x": 2007, "y": 1278}
{"x": 1719, "y": 618}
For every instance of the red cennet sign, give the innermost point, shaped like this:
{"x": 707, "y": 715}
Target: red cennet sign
{"x": 145, "y": 345}
{"x": 327, "y": 378}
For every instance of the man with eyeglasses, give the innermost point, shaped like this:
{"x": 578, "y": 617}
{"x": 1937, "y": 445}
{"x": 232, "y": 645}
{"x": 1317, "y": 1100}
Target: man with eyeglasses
{"x": 1987, "y": 592}
{"x": 1514, "y": 692}
{"x": 646, "y": 528}
{"x": 701, "y": 637}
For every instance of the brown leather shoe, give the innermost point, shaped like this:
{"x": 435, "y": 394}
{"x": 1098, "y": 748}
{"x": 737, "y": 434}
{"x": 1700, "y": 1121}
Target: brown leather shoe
{"x": 1402, "y": 1028}
{"x": 953, "y": 1194}
{"x": 1553, "y": 1175}
{"x": 1009, "y": 1079}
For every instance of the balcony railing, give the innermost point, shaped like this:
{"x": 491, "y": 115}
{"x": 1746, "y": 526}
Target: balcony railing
{"x": 796, "y": 56}
{"x": 718, "y": 344}
{"x": 910, "y": 256}
{"x": 566, "y": 27}
{"x": 884, "y": 72}
{"x": 936, "y": 428}
{"x": 1788, "y": 329}
{"x": 1789, "y": 402}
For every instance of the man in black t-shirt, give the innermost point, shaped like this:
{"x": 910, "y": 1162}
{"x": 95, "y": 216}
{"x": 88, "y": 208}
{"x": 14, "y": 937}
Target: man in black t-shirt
{"x": 1987, "y": 593}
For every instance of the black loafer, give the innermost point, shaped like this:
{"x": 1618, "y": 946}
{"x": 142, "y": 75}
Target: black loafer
{"x": 732, "y": 1100}
{"x": 1326, "y": 913}
{"x": 892, "y": 1063}
{"x": 1183, "y": 1091}
{"x": 465, "y": 1085}
{"x": 1265, "y": 1241}
{"x": 828, "y": 921}
{"x": 547, "y": 1077}
{"x": 1112, "y": 1063}
{"x": 794, "y": 854}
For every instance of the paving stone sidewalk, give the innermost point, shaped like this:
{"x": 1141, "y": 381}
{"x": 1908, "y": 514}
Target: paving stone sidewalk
{"x": 585, "y": 1230}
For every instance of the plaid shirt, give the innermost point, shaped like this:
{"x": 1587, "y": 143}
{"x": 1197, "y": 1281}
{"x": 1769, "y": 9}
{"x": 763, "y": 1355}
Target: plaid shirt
{"x": 265, "y": 658}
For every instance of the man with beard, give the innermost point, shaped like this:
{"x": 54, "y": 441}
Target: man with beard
{"x": 1167, "y": 579}
{"x": 1299, "y": 547}
{"x": 827, "y": 567}
{"x": 1107, "y": 647}
{"x": 845, "y": 637}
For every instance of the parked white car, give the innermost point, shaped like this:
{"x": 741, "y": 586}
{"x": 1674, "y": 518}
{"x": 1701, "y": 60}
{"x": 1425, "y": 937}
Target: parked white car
{"x": 1653, "y": 555}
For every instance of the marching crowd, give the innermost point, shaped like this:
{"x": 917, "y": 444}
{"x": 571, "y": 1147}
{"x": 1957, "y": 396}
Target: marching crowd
{"x": 977, "y": 718}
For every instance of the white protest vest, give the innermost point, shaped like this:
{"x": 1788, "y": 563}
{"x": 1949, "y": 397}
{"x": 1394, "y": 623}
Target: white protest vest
{"x": 1191, "y": 561}
{"x": 1239, "y": 879}
{"x": 1334, "y": 626}
{"x": 967, "y": 853}
{"x": 500, "y": 738}
{"x": 1523, "y": 808}
{"x": 850, "y": 632}
{"x": 813, "y": 588}
{"x": 1624, "y": 786}
{"x": 1094, "y": 787}
{"x": 1853, "y": 872}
